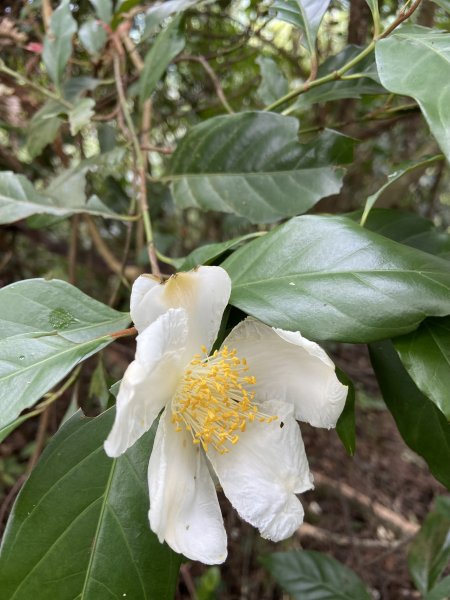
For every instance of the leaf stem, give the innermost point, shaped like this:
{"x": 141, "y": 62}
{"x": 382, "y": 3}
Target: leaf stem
{"x": 21, "y": 80}
{"x": 321, "y": 80}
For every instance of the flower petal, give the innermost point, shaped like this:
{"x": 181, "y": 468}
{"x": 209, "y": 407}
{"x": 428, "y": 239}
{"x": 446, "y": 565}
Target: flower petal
{"x": 184, "y": 510}
{"x": 291, "y": 368}
{"x": 203, "y": 293}
{"x": 150, "y": 381}
{"x": 263, "y": 471}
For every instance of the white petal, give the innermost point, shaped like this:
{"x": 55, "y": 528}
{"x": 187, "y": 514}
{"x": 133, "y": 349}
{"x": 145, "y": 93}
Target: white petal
{"x": 150, "y": 381}
{"x": 291, "y": 368}
{"x": 184, "y": 510}
{"x": 203, "y": 293}
{"x": 263, "y": 471}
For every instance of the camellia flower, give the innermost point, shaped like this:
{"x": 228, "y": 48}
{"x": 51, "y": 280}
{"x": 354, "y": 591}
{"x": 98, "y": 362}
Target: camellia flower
{"x": 228, "y": 417}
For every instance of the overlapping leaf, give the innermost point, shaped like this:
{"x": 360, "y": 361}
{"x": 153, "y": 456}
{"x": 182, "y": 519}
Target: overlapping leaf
{"x": 429, "y": 553}
{"x": 168, "y": 44}
{"x": 250, "y": 164}
{"x": 332, "y": 279}
{"x": 63, "y": 197}
{"x": 306, "y": 574}
{"x": 58, "y": 41}
{"x": 421, "y": 424}
{"x": 47, "y": 328}
{"x": 425, "y": 353}
{"x": 415, "y": 61}
{"x": 97, "y": 543}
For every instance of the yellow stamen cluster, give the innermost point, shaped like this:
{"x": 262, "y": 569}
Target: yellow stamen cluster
{"x": 212, "y": 401}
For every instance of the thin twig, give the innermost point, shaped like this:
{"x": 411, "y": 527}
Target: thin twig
{"x": 73, "y": 246}
{"x": 402, "y": 16}
{"x": 129, "y": 273}
{"x": 215, "y": 80}
{"x": 40, "y": 439}
{"x": 385, "y": 514}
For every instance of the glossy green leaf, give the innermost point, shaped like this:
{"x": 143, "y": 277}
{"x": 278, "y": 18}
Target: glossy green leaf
{"x": 407, "y": 228}
{"x": 103, "y": 9}
{"x": 161, "y": 10}
{"x": 47, "y": 328}
{"x": 420, "y": 423}
{"x": 395, "y": 176}
{"x": 93, "y": 36}
{"x": 415, "y": 61}
{"x": 429, "y": 553}
{"x": 425, "y": 353}
{"x": 305, "y": 14}
{"x": 332, "y": 279}
{"x": 58, "y": 41}
{"x": 313, "y": 575}
{"x": 74, "y": 87}
{"x": 346, "y": 426}
{"x": 64, "y": 197}
{"x": 79, "y": 528}
{"x": 167, "y": 45}
{"x": 44, "y": 127}
{"x": 441, "y": 590}
{"x": 210, "y": 252}
{"x": 249, "y": 164}
{"x": 8, "y": 429}
{"x": 81, "y": 115}
{"x": 341, "y": 88}
{"x": 31, "y": 364}
{"x": 55, "y": 307}
{"x": 273, "y": 83}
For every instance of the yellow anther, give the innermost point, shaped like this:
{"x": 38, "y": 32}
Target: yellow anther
{"x": 212, "y": 401}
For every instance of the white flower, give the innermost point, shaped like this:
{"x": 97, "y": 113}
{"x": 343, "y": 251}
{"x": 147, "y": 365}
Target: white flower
{"x": 229, "y": 417}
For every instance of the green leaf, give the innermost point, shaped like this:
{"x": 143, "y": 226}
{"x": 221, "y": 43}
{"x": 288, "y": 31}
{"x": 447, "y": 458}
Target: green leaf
{"x": 341, "y": 88}
{"x": 249, "y": 164}
{"x": 160, "y": 11}
{"x": 395, "y": 176}
{"x": 210, "y": 252}
{"x": 79, "y": 528}
{"x": 55, "y": 307}
{"x": 32, "y": 364}
{"x": 103, "y": 9}
{"x": 425, "y": 353}
{"x": 47, "y": 328}
{"x": 345, "y": 426}
{"x": 81, "y": 115}
{"x": 58, "y": 41}
{"x": 429, "y": 553}
{"x": 44, "y": 126}
{"x": 273, "y": 83}
{"x": 313, "y": 575}
{"x": 93, "y": 36}
{"x": 441, "y": 590}
{"x": 445, "y": 4}
{"x": 415, "y": 61}
{"x": 407, "y": 228}
{"x": 332, "y": 279}
{"x": 420, "y": 423}
{"x": 167, "y": 45}
{"x": 305, "y": 14}
{"x": 64, "y": 197}
{"x": 74, "y": 87}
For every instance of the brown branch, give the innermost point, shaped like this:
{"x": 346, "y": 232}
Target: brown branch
{"x": 215, "y": 80}
{"x": 402, "y": 16}
{"x": 388, "y": 516}
{"x": 130, "y": 273}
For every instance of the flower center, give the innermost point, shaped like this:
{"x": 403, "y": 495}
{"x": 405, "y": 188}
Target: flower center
{"x": 212, "y": 401}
